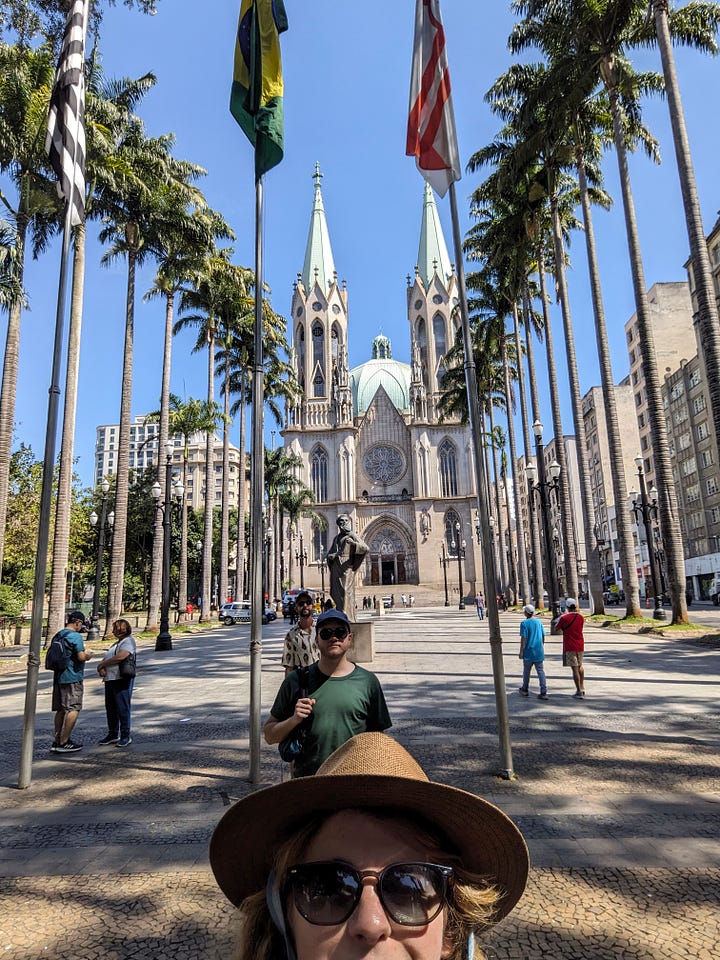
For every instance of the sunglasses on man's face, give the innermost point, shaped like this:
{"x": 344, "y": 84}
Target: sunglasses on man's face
{"x": 326, "y": 633}
{"x": 326, "y": 893}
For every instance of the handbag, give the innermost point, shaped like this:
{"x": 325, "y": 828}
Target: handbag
{"x": 126, "y": 668}
{"x": 292, "y": 746}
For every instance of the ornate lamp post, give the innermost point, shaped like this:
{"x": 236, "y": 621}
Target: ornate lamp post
{"x": 444, "y": 559}
{"x": 164, "y": 638}
{"x": 94, "y": 630}
{"x": 544, "y": 488}
{"x": 301, "y": 557}
{"x": 600, "y": 541}
{"x": 647, "y": 510}
{"x": 460, "y": 554}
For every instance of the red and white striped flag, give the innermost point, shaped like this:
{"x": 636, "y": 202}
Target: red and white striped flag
{"x": 431, "y": 136}
{"x": 65, "y": 140}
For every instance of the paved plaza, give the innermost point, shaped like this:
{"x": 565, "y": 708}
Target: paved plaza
{"x": 105, "y": 855}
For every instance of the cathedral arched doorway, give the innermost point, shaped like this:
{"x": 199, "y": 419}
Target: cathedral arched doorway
{"x": 387, "y": 557}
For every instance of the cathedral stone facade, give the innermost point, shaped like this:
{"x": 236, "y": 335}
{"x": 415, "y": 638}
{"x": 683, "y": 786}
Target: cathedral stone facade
{"x": 370, "y": 438}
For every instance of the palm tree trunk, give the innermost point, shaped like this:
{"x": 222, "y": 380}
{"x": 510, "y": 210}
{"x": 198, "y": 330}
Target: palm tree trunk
{"x": 61, "y": 535}
{"x": 502, "y": 568}
{"x": 225, "y": 507}
{"x": 529, "y": 451}
{"x": 9, "y": 381}
{"x": 628, "y": 565}
{"x": 667, "y": 500}
{"x": 158, "y": 529}
{"x": 205, "y": 611}
{"x": 509, "y": 399}
{"x": 242, "y": 500}
{"x": 117, "y": 559}
{"x": 182, "y": 572}
{"x": 487, "y": 493}
{"x": 707, "y": 311}
{"x": 588, "y": 512}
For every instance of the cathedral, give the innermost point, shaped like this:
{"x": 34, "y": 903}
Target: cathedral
{"x": 370, "y": 437}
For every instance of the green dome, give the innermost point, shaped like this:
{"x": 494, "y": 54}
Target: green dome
{"x": 381, "y": 371}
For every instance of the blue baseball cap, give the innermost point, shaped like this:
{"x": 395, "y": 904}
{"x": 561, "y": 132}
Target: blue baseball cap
{"x": 333, "y": 614}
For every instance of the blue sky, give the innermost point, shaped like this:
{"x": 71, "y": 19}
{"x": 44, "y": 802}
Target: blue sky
{"x": 347, "y": 70}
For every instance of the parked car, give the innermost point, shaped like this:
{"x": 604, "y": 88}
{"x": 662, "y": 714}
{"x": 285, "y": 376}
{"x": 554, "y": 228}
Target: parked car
{"x": 240, "y": 612}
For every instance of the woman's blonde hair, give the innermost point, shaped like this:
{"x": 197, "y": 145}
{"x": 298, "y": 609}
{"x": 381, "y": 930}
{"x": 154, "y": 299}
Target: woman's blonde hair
{"x": 470, "y": 905}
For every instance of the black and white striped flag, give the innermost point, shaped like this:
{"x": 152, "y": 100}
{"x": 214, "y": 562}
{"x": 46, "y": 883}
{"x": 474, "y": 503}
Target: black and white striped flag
{"x": 65, "y": 141}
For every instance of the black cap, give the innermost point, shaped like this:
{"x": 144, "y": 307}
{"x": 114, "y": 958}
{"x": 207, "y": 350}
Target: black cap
{"x": 77, "y": 615}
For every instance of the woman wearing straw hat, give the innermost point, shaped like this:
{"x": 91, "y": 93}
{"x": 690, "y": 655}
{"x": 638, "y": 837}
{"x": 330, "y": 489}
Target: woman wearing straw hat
{"x": 367, "y": 859}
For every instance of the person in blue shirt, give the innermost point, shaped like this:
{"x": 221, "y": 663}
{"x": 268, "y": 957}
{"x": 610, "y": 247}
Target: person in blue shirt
{"x": 67, "y": 696}
{"x": 532, "y": 651}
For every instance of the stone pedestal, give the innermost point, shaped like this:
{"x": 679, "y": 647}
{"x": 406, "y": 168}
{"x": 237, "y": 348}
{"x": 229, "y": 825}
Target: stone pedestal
{"x": 363, "y": 648}
{"x": 379, "y": 609}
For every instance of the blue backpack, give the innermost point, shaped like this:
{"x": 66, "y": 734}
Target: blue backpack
{"x": 58, "y": 656}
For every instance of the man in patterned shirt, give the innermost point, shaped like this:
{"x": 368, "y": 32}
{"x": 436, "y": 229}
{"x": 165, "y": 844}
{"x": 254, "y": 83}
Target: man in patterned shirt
{"x": 300, "y": 649}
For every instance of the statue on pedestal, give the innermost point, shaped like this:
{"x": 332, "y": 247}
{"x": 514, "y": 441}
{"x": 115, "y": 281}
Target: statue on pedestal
{"x": 344, "y": 558}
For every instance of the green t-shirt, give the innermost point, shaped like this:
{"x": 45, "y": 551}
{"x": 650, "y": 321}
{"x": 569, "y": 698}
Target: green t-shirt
{"x": 344, "y": 706}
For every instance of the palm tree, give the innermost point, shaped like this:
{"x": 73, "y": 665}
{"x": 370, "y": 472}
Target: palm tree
{"x": 182, "y": 237}
{"x": 587, "y": 45}
{"x": 129, "y": 204}
{"x": 187, "y": 418}
{"x": 26, "y": 77}
{"x": 108, "y": 104}
{"x": 700, "y": 30}
{"x": 295, "y": 502}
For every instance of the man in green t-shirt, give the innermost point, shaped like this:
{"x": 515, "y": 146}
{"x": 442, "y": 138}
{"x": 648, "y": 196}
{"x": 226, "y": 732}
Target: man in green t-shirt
{"x": 343, "y": 698}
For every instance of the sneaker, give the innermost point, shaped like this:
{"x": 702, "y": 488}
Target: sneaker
{"x": 107, "y": 740}
{"x": 124, "y": 742}
{"x": 68, "y": 747}
{"x": 543, "y": 696}
{"x": 54, "y": 746}
{"x": 579, "y": 694}
{"x": 523, "y": 691}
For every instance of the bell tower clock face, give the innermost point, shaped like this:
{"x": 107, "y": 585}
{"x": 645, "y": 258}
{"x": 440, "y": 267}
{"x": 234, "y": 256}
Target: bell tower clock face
{"x": 384, "y": 464}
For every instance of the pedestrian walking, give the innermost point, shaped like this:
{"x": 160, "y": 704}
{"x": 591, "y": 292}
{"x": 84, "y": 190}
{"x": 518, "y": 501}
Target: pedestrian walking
{"x": 118, "y": 688}
{"x": 67, "y": 695}
{"x": 480, "y": 606}
{"x": 571, "y": 625}
{"x": 300, "y": 649}
{"x": 342, "y": 698}
{"x": 368, "y": 858}
{"x": 532, "y": 651}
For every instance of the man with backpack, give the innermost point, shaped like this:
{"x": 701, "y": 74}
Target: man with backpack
{"x": 67, "y": 657}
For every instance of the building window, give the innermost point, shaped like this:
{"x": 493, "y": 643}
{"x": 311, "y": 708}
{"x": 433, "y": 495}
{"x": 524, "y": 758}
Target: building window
{"x": 451, "y": 518}
{"x": 715, "y": 515}
{"x": 448, "y": 469}
{"x": 702, "y": 430}
{"x": 694, "y": 380}
{"x": 439, "y": 334}
{"x": 706, "y": 458}
{"x": 319, "y": 474}
{"x": 711, "y": 485}
{"x": 319, "y": 542}
{"x": 699, "y": 403}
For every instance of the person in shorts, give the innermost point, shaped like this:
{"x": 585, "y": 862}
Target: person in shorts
{"x": 67, "y": 696}
{"x": 571, "y": 625}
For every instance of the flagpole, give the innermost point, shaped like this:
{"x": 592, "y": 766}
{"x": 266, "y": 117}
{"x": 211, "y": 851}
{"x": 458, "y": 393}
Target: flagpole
{"x": 488, "y": 559}
{"x": 257, "y": 471}
{"x": 38, "y": 600}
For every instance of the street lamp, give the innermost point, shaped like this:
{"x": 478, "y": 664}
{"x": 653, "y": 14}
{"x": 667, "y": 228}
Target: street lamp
{"x": 164, "y": 638}
{"x": 301, "y": 557}
{"x": 647, "y": 509}
{"x": 460, "y": 555}
{"x": 543, "y": 488}
{"x": 199, "y": 548}
{"x": 600, "y": 542}
{"x": 94, "y": 630}
{"x": 444, "y": 560}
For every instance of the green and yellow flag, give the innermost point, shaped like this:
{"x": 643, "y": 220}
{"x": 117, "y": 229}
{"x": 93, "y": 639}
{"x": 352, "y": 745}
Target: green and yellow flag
{"x": 256, "y": 100}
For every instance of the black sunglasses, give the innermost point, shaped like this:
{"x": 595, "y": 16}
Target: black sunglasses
{"x": 325, "y": 633}
{"x": 326, "y": 893}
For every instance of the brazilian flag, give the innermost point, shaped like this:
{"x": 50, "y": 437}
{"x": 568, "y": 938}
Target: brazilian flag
{"x": 256, "y": 100}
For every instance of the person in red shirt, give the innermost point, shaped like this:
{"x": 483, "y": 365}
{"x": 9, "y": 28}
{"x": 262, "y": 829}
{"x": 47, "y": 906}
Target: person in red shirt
{"x": 571, "y": 625}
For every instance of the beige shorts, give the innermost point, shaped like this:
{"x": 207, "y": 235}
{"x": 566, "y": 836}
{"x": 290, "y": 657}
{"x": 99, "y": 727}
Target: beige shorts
{"x": 573, "y": 658}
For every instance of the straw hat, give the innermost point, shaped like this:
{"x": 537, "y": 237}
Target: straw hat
{"x": 370, "y": 770}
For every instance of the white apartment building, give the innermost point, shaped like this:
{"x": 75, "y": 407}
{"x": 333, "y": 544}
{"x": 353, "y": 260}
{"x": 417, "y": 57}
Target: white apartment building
{"x": 143, "y": 454}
